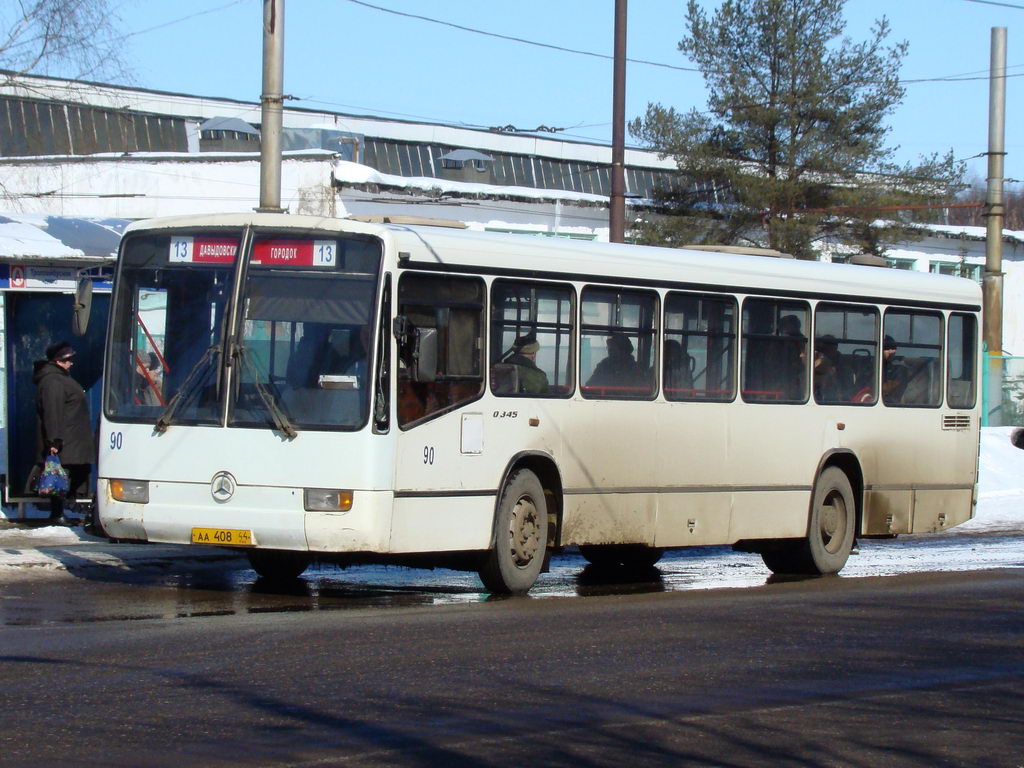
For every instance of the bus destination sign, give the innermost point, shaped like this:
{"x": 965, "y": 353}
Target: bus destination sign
{"x": 202, "y": 250}
{"x": 295, "y": 253}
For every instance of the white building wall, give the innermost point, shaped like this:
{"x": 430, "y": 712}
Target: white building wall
{"x": 156, "y": 184}
{"x": 1013, "y": 299}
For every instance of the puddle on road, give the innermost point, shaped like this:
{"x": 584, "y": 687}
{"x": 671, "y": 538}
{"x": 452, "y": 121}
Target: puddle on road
{"x": 190, "y": 592}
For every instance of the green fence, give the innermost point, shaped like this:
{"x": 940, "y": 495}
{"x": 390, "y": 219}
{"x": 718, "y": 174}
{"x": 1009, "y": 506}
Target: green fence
{"x": 1002, "y": 391}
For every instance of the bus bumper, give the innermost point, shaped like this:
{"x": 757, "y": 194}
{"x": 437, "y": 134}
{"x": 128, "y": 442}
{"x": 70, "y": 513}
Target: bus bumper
{"x": 273, "y": 516}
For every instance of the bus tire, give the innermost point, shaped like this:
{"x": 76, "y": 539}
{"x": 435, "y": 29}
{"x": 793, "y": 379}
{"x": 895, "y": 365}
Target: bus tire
{"x": 830, "y": 531}
{"x": 633, "y": 556}
{"x": 277, "y": 564}
{"x": 521, "y": 535}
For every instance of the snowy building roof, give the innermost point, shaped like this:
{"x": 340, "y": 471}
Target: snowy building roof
{"x": 31, "y": 237}
{"x": 964, "y": 232}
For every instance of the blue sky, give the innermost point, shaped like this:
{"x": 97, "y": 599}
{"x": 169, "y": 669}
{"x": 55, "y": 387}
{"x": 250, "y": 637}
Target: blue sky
{"x": 347, "y": 57}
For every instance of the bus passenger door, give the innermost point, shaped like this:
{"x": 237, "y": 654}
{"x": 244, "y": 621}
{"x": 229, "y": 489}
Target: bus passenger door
{"x": 439, "y": 332}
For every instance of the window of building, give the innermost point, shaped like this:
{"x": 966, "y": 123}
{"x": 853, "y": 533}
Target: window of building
{"x": 845, "y": 367}
{"x": 439, "y": 329}
{"x": 617, "y": 343}
{"x": 912, "y": 358}
{"x": 775, "y": 351}
{"x": 957, "y": 269}
{"x": 531, "y": 339}
{"x": 963, "y": 354}
{"x": 699, "y": 353}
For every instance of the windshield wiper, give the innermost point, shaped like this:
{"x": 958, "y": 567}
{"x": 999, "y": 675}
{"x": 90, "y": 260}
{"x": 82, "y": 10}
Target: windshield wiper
{"x": 280, "y": 419}
{"x": 164, "y": 421}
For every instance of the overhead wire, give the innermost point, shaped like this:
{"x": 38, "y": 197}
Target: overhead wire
{"x": 997, "y": 3}
{"x": 512, "y": 38}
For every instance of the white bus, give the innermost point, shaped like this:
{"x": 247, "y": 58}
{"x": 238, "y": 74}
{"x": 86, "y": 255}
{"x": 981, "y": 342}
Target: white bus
{"x": 347, "y": 391}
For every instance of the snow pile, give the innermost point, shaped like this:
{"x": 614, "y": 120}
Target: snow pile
{"x": 1000, "y": 484}
{"x": 348, "y": 172}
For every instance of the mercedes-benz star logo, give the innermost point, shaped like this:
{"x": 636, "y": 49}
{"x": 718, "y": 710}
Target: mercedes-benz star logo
{"x": 222, "y": 487}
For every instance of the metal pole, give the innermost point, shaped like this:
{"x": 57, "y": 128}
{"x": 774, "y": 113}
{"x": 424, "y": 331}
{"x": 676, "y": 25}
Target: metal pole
{"x": 992, "y": 286}
{"x": 617, "y": 202}
{"x": 271, "y": 107}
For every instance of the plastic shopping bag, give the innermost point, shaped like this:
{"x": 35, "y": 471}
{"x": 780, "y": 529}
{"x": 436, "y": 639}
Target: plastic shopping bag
{"x": 54, "y": 479}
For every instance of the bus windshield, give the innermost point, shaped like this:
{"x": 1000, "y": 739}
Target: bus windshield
{"x": 167, "y": 327}
{"x": 304, "y": 330}
{"x": 307, "y": 337}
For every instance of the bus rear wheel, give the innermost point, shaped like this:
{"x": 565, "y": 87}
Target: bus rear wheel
{"x": 830, "y": 531}
{"x": 521, "y": 535}
{"x": 277, "y": 564}
{"x": 621, "y": 555}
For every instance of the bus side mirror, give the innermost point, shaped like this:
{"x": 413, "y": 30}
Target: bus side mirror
{"x": 424, "y": 356}
{"x": 81, "y": 307}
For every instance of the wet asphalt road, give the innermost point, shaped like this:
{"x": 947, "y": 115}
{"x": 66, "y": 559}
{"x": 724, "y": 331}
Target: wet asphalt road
{"x": 173, "y": 587}
{"x": 704, "y": 661}
{"x": 912, "y": 670}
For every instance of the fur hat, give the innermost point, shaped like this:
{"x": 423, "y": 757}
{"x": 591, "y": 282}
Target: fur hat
{"x": 527, "y": 345}
{"x": 59, "y": 351}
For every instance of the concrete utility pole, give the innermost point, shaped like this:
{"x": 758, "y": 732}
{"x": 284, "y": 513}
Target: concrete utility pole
{"x": 992, "y": 286}
{"x": 617, "y": 202}
{"x": 271, "y": 102}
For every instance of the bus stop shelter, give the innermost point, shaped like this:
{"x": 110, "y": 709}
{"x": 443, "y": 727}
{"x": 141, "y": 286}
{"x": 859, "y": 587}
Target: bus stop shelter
{"x": 43, "y": 259}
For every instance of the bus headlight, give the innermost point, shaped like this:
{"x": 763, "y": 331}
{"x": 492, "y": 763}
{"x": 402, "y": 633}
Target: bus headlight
{"x": 134, "y": 491}
{"x": 326, "y": 500}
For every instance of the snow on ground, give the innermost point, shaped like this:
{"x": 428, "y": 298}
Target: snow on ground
{"x": 1000, "y": 485}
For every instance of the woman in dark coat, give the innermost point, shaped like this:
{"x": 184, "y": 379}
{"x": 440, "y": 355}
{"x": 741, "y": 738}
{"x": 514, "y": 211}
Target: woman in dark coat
{"x": 64, "y": 423}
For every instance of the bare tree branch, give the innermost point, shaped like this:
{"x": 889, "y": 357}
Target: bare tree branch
{"x": 62, "y": 38}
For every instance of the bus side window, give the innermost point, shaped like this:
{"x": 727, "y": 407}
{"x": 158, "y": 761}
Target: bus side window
{"x": 618, "y": 354}
{"x": 699, "y": 347}
{"x": 775, "y": 351}
{"x": 845, "y": 364}
{"x": 452, "y": 308}
{"x": 912, "y": 366}
{"x": 531, "y": 339}
{"x": 962, "y": 352}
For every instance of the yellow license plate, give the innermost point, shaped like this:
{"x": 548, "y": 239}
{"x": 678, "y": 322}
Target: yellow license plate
{"x": 223, "y": 537}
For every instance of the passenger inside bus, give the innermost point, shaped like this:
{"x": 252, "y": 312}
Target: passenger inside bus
{"x": 790, "y": 363}
{"x": 618, "y": 370}
{"x": 149, "y": 381}
{"x": 678, "y": 367}
{"x": 518, "y": 370}
{"x": 894, "y": 373}
{"x": 827, "y": 385}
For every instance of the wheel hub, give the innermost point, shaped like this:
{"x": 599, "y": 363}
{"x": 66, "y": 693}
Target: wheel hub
{"x": 524, "y": 532}
{"x": 832, "y": 519}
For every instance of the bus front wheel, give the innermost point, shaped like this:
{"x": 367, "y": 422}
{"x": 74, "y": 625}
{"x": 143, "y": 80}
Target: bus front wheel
{"x": 830, "y": 531}
{"x": 521, "y": 535}
{"x": 278, "y": 565}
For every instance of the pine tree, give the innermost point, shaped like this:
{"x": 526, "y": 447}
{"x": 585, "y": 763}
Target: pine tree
{"x": 791, "y": 148}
